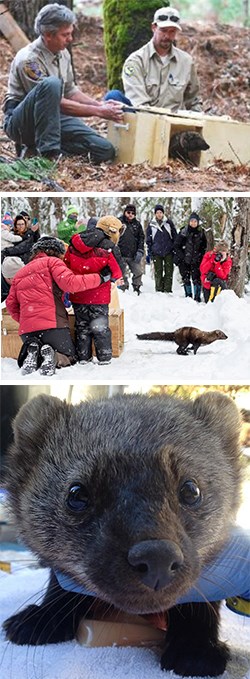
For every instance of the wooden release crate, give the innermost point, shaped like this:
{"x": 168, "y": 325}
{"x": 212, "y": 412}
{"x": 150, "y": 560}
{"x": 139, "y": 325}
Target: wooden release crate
{"x": 11, "y": 342}
{"x": 145, "y": 136}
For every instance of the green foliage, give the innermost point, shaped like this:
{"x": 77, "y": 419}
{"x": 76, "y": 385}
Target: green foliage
{"x": 127, "y": 26}
{"x": 32, "y": 168}
{"x": 229, "y": 11}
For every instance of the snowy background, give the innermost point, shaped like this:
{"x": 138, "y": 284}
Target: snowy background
{"x": 225, "y": 361}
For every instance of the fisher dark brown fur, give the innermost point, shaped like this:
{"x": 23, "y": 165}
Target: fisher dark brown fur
{"x": 130, "y": 496}
{"x": 186, "y": 336}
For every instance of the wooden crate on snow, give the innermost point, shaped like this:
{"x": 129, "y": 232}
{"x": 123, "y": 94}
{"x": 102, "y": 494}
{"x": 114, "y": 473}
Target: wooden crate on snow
{"x": 11, "y": 342}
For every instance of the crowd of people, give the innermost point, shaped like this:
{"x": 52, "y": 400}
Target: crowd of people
{"x": 43, "y": 275}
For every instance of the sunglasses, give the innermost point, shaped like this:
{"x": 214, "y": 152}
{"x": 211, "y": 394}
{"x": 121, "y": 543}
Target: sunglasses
{"x": 130, "y": 212}
{"x": 165, "y": 17}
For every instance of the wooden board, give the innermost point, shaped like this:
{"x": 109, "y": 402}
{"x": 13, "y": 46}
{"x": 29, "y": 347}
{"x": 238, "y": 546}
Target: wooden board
{"x": 10, "y": 29}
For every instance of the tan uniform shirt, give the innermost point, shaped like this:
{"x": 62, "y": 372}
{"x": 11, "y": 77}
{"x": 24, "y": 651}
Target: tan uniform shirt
{"x": 149, "y": 81}
{"x": 34, "y": 62}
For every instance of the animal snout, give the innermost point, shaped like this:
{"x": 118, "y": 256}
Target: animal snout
{"x": 157, "y": 562}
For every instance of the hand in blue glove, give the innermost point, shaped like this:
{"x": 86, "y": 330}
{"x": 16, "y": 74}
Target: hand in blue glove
{"x": 138, "y": 256}
{"x": 148, "y": 259}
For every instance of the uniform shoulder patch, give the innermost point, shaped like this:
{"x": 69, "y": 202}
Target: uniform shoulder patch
{"x": 32, "y": 70}
{"x": 129, "y": 69}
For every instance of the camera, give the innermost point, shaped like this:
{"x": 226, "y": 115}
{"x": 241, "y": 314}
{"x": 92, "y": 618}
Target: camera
{"x": 218, "y": 257}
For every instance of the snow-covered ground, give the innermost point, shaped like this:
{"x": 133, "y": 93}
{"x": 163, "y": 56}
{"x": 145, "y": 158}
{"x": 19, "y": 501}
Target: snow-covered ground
{"x": 157, "y": 362}
{"x": 61, "y": 661}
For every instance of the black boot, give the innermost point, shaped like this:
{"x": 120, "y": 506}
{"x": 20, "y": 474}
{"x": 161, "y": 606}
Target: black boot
{"x": 48, "y": 366}
{"x": 136, "y": 288}
{"x": 30, "y": 363}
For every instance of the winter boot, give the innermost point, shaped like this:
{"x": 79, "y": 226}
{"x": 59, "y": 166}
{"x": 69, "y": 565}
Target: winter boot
{"x": 197, "y": 292}
{"x": 31, "y": 360}
{"x": 188, "y": 290}
{"x": 212, "y": 293}
{"x": 136, "y": 288}
{"x": 48, "y": 366}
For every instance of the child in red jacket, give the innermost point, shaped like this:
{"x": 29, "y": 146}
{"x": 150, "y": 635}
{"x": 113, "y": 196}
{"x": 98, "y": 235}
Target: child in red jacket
{"x": 35, "y": 302}
{"x": 215, "y": 268}
{"x": 90, "y": 252}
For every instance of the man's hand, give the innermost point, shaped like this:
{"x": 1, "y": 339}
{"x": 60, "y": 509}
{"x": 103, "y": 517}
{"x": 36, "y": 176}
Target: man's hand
{"x": 111, "y": 110}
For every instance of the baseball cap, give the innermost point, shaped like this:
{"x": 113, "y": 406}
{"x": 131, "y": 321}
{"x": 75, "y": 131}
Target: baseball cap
{"x": 167, "y": 16}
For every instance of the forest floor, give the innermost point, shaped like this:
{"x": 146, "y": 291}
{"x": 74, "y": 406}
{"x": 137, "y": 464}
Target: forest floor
{"x": 221, "y": 53}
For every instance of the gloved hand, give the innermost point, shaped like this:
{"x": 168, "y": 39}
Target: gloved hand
{"x": 210, "y": 276}
{"x": 138, "y": 256}
{"x": 105, "y": 274}
{"x": 148, "y": 258}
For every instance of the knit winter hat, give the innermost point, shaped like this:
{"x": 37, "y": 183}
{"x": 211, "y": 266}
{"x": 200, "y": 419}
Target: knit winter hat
{"x": 194, "y": 216}
{"x": 51, "y": 246}
{"x": 7, "y": 219}
{"x": 130, "y": 208}
{"x": 159, "y": 207}
{"x": 11, "y": 266}
{"x": 111, "y": 226}
{"x": 72, "y": 210}
{"x": 222, "y": 245}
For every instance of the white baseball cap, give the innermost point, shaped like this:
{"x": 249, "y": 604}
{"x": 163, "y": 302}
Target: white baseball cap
{"x": 167, "y": 16}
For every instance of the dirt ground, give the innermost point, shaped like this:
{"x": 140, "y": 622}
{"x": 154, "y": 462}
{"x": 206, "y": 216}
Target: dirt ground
{"x": 221, "y": 53}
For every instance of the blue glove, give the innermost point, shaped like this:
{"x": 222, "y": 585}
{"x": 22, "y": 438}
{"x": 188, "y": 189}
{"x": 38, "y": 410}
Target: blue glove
{"x": 138, "y": 256}
{"x": 226, "y": 576}
{"x": 148, "y": 259}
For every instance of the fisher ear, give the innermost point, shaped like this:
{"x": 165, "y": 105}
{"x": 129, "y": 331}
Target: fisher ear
{"x": 222, "y": 416}
{"x": 31, "y": 428}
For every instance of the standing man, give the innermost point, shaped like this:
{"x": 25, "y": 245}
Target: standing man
{"x": 43, "y": 106}
{"x": 161, "y": 234}
{"x": 131, "y": 245}
{"x": 160, "y": 74}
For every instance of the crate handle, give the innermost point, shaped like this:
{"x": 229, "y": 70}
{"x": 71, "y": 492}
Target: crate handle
{"x": 125, "y": 126}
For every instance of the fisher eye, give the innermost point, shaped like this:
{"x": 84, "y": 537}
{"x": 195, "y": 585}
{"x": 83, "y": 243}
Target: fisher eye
{"x": 77, "y": 500}
{"x": 190, "y": 494}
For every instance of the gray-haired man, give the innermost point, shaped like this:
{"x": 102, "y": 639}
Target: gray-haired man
{"x": 43, "y": 106}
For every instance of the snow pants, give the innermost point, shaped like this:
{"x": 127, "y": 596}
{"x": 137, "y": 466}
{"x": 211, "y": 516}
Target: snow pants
{"x": 92, "y": 323}
{"x": 58, "y": 338}
{"x": 38, "y": 123}
{"x": 163, "y": 268}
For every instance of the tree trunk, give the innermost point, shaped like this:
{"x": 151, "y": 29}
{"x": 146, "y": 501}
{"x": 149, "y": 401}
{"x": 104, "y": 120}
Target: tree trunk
{"x": 239, "y": 245}
{"x": 127, "y": 26}
{"x": 25, "y": 11}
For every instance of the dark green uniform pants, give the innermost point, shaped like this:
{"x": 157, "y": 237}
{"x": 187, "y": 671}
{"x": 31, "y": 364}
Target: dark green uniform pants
{"x": 163, "y": 267}
{"x": 37, "y": 122}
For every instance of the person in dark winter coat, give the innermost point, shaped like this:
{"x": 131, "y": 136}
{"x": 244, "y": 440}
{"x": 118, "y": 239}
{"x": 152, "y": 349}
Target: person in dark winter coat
{"x": 35, "y": 302}
{"x": 189, "y": 248}
{"x": 92, "y": 251}
{"x": 215, "y": 268}
{"x": 131, "y": 245}
{"x": 29, "y": 236}
{"x": 161, "y": 234}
